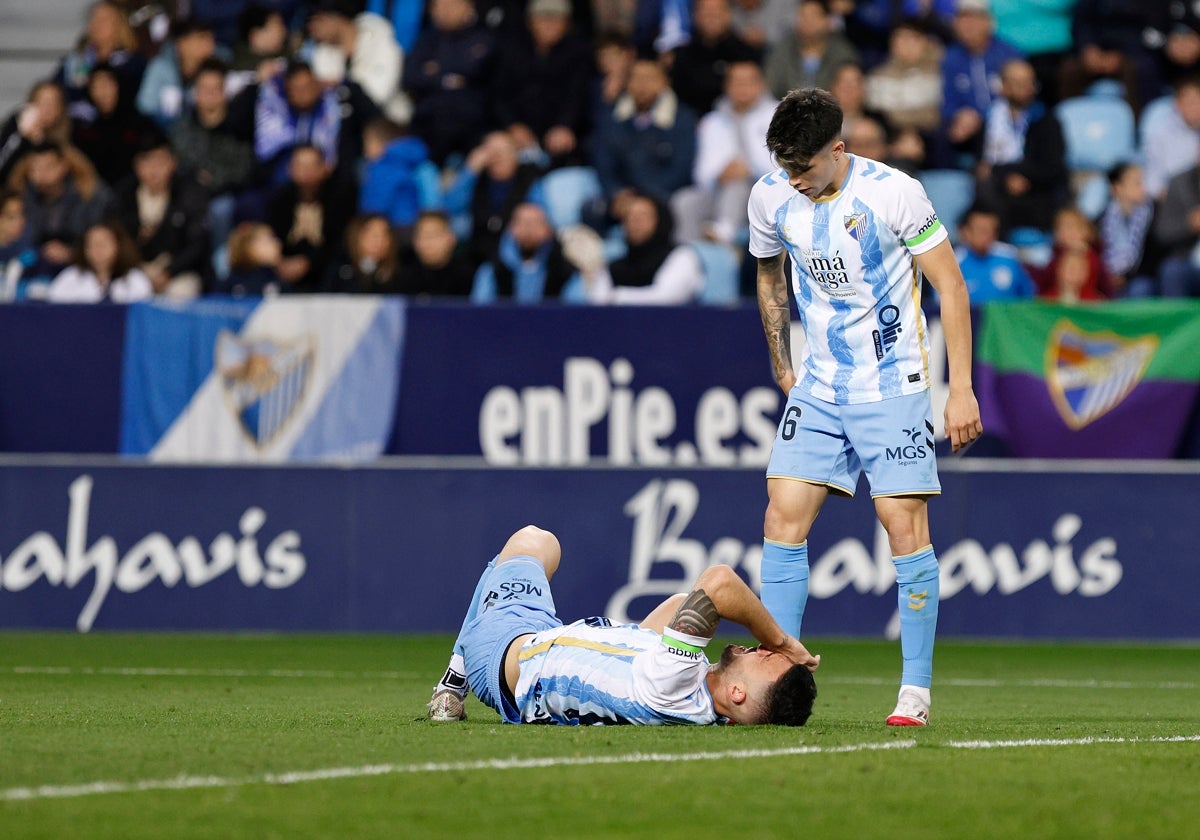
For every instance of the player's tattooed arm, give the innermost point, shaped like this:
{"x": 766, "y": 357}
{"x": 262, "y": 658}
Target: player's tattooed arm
{"x": 776, "y": 315}
{"x": 697, "y": 615}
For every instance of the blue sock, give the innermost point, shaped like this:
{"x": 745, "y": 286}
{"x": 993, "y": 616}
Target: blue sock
{"x": 785, "y": 583}
{"x": 917, "y": 577}
{"x": 473, "y": 609}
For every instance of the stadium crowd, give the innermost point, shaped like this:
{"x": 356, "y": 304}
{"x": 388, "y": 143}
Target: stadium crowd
{"x": 588, "y": 150}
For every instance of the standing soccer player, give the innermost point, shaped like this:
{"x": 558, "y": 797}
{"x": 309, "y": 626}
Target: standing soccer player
{"x": 860, "y": 235}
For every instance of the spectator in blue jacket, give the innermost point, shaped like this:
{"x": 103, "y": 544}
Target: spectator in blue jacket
{"x": 449, "y": 75}
{"x": 647, "y": 144}
{"x": 529, "y": 265}
{"x": 164, "y": 92}
{"x": 990, "y": 267}
{"x": 391, "y": 181}
{"x": 970, "y": 83}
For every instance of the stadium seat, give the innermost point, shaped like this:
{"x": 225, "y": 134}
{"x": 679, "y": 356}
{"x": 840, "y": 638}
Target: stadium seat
{"x": 720, "y": 272}
{"x": 566, "y": 190}
{"x": 1098, "y": 132}
{"x": 951, "y": 192}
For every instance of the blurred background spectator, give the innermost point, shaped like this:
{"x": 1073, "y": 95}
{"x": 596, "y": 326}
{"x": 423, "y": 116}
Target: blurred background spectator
{"x": 647, "y": 144}
{"x": 1129, "y": 253}
{"x": 433, "y": 264}
{"x": 991, "y": 268}
{"x": 1177, "y": 226}
{"x": 107, "y": 128}
{"x": 308, "y": 213}
{"x": 529, "y": 265}
{"x": 167, "y": 214}
{"x": 730, "y": 156}
{"x": 698, "y": 67}
{"x": 652, "y": 271}
{"x": 491, "y": 183}
{"x": 166, "y": 86}
{"x": 369, "y": 262}
{"x": 360, "y": 47}
{"x": 108, "y": 39}
{"x": 970, "y": 83}
{"x": 450, "y": 74}
{"x": 1023, "y": 171}
{"x": 42, "y": 119}
{"x": 1075, "y": 271}
{"x": 105, "y": 268}
{"x": 543, "y": 85}
{"x": 255, "y": 254}
{"x": 810, "y": 53}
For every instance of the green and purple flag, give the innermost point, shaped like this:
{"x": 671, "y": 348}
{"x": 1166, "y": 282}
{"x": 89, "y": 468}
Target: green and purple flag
{"x": 1099, "y": 380}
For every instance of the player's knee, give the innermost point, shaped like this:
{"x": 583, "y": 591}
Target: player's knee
{"x": 532, "y": 541}
{"x": 781, "y": 524}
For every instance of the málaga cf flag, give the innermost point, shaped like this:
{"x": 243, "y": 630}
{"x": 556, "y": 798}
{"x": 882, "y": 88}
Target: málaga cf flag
{"x": 289, "y": 378}
{"x": 1109, "y": 380}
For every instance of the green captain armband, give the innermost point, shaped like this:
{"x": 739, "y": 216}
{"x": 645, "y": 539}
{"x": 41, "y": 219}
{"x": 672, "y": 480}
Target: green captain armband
{"x": 932, "y": 225}
{"x": 684, "y": 642}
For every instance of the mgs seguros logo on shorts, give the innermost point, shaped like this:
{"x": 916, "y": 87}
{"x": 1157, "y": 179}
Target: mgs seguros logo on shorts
{"x": 917, "y": 446}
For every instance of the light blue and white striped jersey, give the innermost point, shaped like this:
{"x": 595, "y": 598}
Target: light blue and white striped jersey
{"x": 586, "y": 675}
{"x": 857, "y": 287}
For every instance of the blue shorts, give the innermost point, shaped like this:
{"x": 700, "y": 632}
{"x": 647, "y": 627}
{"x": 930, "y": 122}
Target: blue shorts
{"x": 516, "y": 601}
{"x": 891, "y": 440}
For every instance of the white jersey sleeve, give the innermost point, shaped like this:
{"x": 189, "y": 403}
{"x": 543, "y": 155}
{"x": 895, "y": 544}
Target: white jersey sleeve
{"x": 769, "y": 193}
{"x": 911, "y": 215}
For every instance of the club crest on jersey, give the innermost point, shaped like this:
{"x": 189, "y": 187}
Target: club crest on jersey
{"x": 1089, "y": 374}
{"x": 828, "y": 272}
{"x": 855, "y": 224}
{"x": 264, "y": 381}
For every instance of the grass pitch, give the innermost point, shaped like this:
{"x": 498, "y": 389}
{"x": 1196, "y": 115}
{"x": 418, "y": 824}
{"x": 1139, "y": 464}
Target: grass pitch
{"x": 138, "y": 735}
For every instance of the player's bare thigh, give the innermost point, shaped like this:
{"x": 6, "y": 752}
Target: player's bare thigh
{"x": 512, "y": 661}
{"x": 792, "y": 509}
{"x": 532, "y": 541}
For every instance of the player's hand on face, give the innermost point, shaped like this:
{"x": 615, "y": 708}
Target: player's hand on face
{"x": 963, "y": 423}
{"x": 798, "y": 654}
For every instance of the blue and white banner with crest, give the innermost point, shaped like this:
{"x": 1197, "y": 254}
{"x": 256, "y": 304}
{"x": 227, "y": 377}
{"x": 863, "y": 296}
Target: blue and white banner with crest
{"x": 291, "y": 378}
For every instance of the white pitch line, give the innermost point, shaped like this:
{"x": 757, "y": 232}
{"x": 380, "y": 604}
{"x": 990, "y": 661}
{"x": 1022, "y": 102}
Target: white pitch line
{"x": 24, "y": 794}
{"x": 39, "y": 670}
{"x": 1031, "y": 683}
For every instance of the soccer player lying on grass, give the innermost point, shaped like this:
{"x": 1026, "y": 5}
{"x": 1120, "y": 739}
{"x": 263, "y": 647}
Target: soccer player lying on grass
{"x": 519, "y": 658}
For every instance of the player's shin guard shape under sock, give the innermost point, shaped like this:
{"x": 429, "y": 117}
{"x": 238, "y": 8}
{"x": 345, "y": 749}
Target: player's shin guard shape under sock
{"x": 473, "y": 609}
{"x": 917, "y": 577}
{"x": 785, "y": 583}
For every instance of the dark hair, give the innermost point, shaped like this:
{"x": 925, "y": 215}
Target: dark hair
{"x": 107, "y": 69}
{"x": 127, "y": 257}
{"x": 190, "y": 26}
{"x": 979, "y": 208}
{"x": 805, "y": 122}
{"x": 212, "y": 64}
{"x": 254, "y": 16}
{"x": 384, "y": 129}
{"x": 436, "y": 215}
{"x": 789, "y": 701}
{"x": 387, "y": 266}
{"x": 1118, "y": 172}
{"x": 295, "y": 67}
{"x": 48, "y": 146}
{"x": 151, "y": 141}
